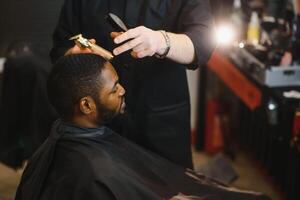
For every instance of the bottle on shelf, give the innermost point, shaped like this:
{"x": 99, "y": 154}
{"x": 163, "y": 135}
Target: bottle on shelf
{"x": 253, "y": 33}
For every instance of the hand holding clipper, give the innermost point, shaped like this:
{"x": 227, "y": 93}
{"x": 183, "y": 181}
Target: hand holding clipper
{"x": 83, "y": 43}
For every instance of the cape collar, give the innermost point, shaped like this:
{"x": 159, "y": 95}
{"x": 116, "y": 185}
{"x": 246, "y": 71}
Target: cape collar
{"x": 65, "y": 129}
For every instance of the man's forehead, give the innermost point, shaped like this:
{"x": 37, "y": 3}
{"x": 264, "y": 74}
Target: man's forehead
{"x": 109, "y": 73}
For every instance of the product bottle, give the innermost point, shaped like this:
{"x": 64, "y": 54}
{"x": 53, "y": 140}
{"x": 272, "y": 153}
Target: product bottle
{"x": 253, "y": 29}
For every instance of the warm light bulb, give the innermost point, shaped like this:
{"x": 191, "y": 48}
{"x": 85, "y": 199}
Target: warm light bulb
{"x": 225, "y": 35}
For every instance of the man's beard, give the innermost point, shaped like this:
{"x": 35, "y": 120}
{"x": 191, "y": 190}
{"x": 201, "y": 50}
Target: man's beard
{"x": 106, "y": 114}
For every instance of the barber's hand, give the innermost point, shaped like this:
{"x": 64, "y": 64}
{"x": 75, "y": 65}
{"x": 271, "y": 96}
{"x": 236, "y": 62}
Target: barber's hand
{"x": 113, "y": 35}
{"x": 76, "y": 49}
{"x": 142, "y": 41}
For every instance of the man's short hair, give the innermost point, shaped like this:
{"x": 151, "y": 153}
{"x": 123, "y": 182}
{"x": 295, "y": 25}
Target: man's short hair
{"x": 72, "y": 78}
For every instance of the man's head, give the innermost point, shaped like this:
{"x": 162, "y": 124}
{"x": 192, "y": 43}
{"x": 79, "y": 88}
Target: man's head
{"x": 84, "y": 89}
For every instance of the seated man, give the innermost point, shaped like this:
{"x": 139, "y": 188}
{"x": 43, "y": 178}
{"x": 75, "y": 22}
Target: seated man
{"x": 83, "y": 159}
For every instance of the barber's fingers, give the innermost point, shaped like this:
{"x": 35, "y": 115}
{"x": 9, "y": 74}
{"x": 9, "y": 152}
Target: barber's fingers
{"x": 113, "y": 35}
{"x": 93, "y": 41}
{"x": 141, "y": 51}
{"x": 76, "y": 50}
{"x": 137, "y": 49}
{"x": 140, "y": 47}
{"x": 127, "y": 46}
{"x": 133, "y": 54}
{"x": 131, "y": 33}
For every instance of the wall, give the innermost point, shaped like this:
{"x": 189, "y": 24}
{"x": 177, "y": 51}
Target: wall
{"x": 32, "y": 20}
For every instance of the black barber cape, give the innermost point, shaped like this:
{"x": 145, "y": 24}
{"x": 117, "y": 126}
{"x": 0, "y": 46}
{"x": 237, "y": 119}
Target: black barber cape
{"x": 78, "y": 163}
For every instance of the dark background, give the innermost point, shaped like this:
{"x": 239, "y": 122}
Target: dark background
{"x": 30, "y": 20}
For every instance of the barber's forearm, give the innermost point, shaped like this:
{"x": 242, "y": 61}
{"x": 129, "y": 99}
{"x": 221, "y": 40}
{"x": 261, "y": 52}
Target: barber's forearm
{"x": 181, "y": 48}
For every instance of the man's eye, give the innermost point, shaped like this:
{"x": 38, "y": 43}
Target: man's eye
{"x": 116, "y": 88}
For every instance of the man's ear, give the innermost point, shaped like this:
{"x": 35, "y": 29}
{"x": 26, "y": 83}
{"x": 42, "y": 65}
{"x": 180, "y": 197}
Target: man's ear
{"x": 87, "y": 105}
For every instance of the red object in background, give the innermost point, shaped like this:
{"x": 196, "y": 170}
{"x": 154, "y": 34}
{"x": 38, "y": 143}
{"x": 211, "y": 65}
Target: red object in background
{"x": 296, "y": 128}
{"x": 214, "y": 134}
{"x": 243, "y": 88}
